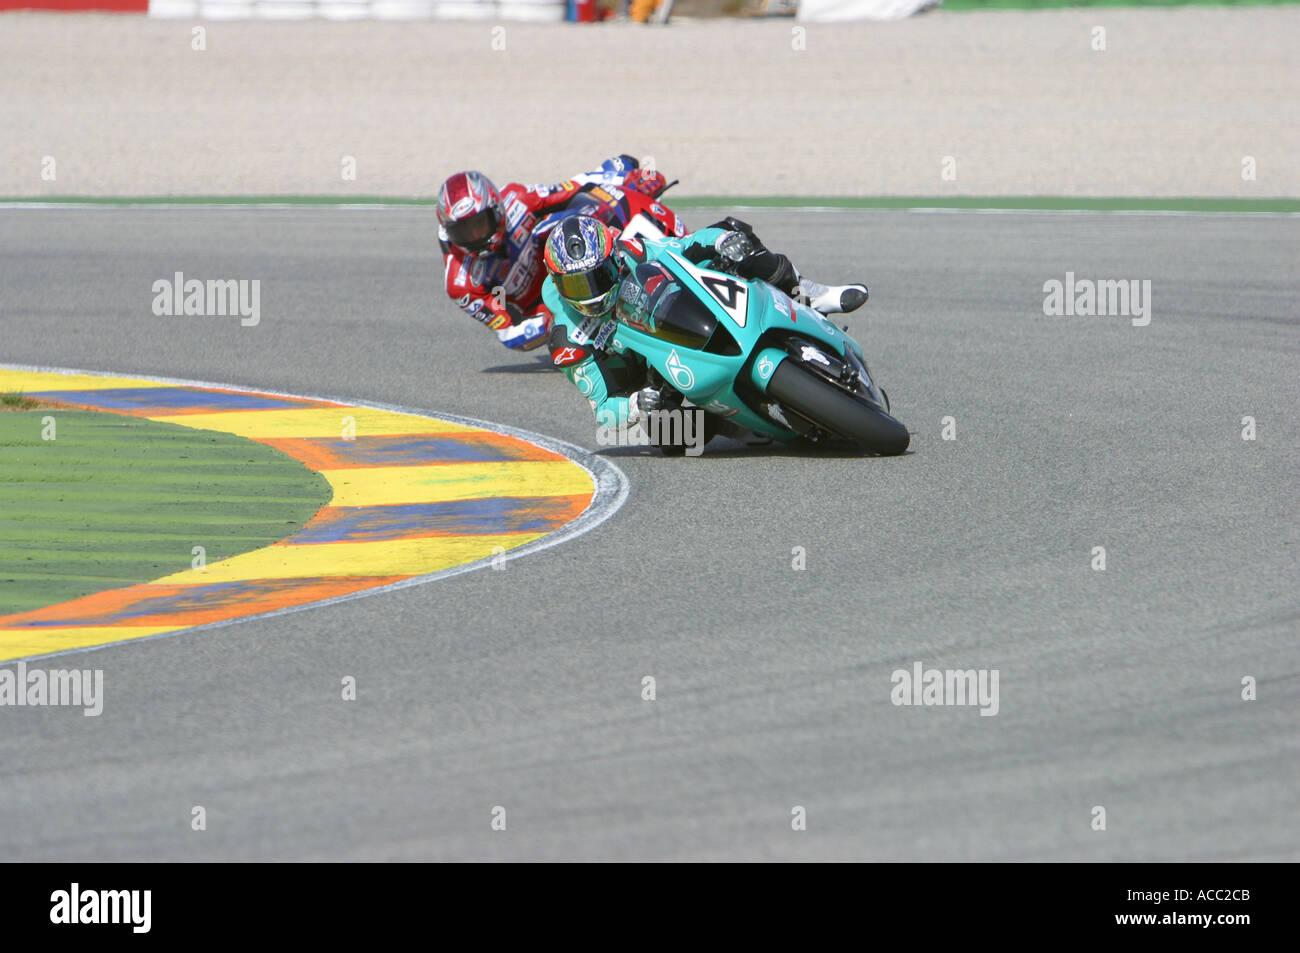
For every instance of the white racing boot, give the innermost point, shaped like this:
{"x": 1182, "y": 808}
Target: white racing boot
{"x": 833, "y": 299}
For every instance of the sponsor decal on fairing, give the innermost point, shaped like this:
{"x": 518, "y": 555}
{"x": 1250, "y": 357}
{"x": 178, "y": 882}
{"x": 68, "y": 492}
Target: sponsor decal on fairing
{"x": 683, "y": 377}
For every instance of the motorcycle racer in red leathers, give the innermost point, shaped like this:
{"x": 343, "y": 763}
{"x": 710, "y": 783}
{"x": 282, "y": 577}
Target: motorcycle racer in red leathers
{"x": 493, "y": 263}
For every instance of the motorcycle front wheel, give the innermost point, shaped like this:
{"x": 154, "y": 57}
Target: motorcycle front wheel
{"x": 837, "y": 411}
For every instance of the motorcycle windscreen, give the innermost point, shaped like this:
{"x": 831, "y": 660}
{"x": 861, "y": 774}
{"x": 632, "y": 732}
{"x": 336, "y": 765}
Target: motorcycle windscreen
{"x": 681, "y": 318}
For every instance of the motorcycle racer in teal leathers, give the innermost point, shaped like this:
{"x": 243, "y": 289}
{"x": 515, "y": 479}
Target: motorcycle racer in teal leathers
{"x": 587, "y": 264}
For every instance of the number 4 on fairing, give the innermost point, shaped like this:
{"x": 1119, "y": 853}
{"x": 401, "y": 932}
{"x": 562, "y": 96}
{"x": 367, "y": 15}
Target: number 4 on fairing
{"x": 730, "y": 294}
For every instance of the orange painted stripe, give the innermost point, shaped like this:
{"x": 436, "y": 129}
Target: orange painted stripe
{"x": 152, "y": 604}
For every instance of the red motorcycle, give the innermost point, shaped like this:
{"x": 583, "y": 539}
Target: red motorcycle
{"x": 631, "y": 212}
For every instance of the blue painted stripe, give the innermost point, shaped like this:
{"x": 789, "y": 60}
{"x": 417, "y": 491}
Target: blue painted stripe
{"x": 177, "y": 398}
{"x": 460, "y": 517}
{"x": 401, "y": 451}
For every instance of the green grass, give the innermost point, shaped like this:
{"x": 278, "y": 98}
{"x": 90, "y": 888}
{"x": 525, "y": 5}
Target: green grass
{"x": 116, "y": 500}
{"x": 16, "y": 401}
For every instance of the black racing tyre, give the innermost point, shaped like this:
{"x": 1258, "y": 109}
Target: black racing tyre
{"x": 835, "y": 410}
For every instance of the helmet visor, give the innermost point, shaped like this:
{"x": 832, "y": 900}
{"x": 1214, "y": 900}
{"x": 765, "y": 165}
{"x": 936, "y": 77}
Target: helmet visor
{"x": 589, "y": 288}
{"x": 474, "y": 232}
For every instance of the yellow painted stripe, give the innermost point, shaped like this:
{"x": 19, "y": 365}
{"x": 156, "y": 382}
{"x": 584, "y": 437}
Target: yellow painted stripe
{"x": 312, "y": 422}
{"x": 22, "y": 642}
{"x": 399, "y": 557}
{"x": 31, "y": 381}
{"x": 379, "y": 486}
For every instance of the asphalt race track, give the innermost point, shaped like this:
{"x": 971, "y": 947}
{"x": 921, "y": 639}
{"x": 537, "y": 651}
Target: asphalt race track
{"x": 522, "y": 688}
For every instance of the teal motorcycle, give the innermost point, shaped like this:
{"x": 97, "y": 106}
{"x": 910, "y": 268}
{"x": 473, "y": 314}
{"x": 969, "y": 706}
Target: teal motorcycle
{"x": 748, "y": 355}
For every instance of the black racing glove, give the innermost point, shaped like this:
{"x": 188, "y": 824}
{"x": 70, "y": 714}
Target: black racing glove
{"x": 732, "y": 224}
{"x": 730, "y": 248}
{"x": 741, "y": 253}
{"x": 751, "y": 257}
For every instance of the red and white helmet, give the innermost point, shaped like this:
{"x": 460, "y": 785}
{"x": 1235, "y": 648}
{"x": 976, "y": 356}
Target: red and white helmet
{"x": 471, "y": 214}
